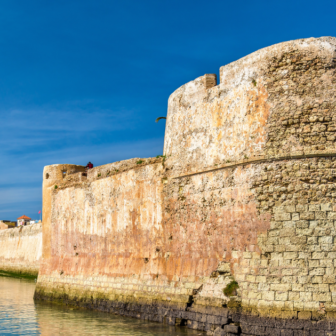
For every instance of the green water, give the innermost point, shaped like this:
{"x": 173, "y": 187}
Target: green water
{"x": 19, "y": 315}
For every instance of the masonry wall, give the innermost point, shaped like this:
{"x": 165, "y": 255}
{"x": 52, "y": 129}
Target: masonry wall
{"x": 245, "y": 192}
{"x": 21, "y": 250}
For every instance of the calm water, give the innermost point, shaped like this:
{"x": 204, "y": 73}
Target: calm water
{"x": 19, "y": 315}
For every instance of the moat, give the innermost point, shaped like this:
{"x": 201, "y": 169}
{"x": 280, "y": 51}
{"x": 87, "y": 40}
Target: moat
{"x": 20, "y": 315}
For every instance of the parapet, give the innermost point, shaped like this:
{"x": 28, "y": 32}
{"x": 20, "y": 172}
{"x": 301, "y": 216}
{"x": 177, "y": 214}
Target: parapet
{"x": 58, "y": 172}
{"x": 257, "y": 64}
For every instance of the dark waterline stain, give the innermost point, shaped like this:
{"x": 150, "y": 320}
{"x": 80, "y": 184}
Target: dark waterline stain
{"x": 19, "y": 315}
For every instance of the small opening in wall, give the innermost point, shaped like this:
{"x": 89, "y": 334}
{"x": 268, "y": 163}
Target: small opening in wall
{"x": 63, "y": 173}
{"x": 182, "y": 322}
{"x": 47, "y": 176}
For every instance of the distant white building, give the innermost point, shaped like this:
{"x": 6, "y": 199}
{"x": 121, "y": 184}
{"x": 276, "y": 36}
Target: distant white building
{"x": 23, "y": 220}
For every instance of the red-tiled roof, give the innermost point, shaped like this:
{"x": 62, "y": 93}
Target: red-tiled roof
{"x": 24, "y": 217}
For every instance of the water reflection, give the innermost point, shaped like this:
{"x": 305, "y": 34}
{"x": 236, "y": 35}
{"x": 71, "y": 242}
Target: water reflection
{"x": 20, "y": 316}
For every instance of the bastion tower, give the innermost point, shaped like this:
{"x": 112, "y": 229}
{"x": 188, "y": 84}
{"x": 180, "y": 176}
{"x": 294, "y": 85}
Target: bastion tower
{"x": 232, "y": 231}
{"x": 53, "y": 176}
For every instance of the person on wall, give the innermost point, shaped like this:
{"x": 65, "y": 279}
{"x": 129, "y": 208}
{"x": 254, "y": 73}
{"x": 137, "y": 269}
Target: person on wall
{"x": 89, "y": 165}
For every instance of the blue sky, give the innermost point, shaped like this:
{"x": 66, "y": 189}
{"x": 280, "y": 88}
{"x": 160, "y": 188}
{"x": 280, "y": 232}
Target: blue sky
{"x": 85, "y": 80}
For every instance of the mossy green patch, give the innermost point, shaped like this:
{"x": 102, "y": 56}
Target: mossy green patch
{"x": 231, "y": 288}
{"x": 19, "y": 275}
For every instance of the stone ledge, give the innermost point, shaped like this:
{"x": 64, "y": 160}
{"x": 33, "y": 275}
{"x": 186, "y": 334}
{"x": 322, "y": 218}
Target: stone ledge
{"x": 262, "y": 159}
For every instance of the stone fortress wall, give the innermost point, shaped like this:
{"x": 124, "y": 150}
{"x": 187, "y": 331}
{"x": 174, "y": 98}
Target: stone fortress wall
{"x": 21, "y": 250}
{"x": 246, "y": 191}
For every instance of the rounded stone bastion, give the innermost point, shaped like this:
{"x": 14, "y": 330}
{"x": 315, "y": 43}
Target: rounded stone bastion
{"x": 277, "y": 101}
{"x": 253, "y": 162}
{"x": 53, "y": 176}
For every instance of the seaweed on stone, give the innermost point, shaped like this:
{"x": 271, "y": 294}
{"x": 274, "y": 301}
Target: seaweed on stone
{"x": 231, "y": 288}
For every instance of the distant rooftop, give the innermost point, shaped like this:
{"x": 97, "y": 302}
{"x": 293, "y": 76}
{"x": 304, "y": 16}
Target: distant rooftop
{"x": 24, "y": 217}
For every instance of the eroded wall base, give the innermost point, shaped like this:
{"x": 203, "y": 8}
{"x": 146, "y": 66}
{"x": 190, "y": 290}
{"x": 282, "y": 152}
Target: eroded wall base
{"x": 182, "y": 310}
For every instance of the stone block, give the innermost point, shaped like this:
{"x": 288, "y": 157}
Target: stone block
{"x": 263, "y": 286}
{"x": 282, "y": 216}
{"x": 322, "y": 297}
{"x": 269, "y": 295}
{"x": 304, "y": 315}
{"x": 281, "y": 296}
{"x": 219, "y": 332}
{"x": 231, "y": 328}
{"x": 317, "y": 333}
{"x": 275, "y": 225}
{"x": 264, "y": 304}
{"x": 254, "y": 295}
{"x": 289, "y": 208}
{"x": 286, "y": 332}
{"x": 308, "y": 215}
{"x": 312, "y": 240}
{"x": 316, "y": 271}
{"x": 321, "y": 215}
{"x": 283, "y": 287}
{"x": 327, "y": 207}
{"x": 314, "y": 207}
{"x": 326, "y": 240}
{"x": 250, "y": 278}
{"x": 247, "y": 329}
{"x": 260, "y": 278}
{"x": 284, "y": 241}
{"x": 293, "y": 247}
{"x": 298, "y": 305}
{"x": 293, "y": 296}
{"x": 305, "y": 296}
{"x": 290, "y": 255}
{"x": 290, "y": 232}
{"x": 287, "y": 271}
{"x": 314, "y": 263}
{"x": 288, "y": 224}
{"x": 302, "y": 224}
{"x": 295, "y": 216}
{"x": 301, "y": 208}
{"x": 193, "y": 324}
{"x": 298, "y": 240}
{"x": 318, "y": 255}
{"x": 317, "y": 279}
{"x": 313, "y": 224}
{"x": 279, "y": 209}
{"x": 211, "y": 319}
{"x": 272, "y": 331}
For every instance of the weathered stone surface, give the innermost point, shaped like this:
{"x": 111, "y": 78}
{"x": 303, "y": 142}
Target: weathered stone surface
{"x": 21, "y": 250}
{"x": 246, "y": 191}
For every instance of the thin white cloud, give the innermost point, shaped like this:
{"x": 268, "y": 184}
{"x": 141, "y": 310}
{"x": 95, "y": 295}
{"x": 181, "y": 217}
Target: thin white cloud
{"x": 19, "y": 195}
{"x": 75, "y": 120}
